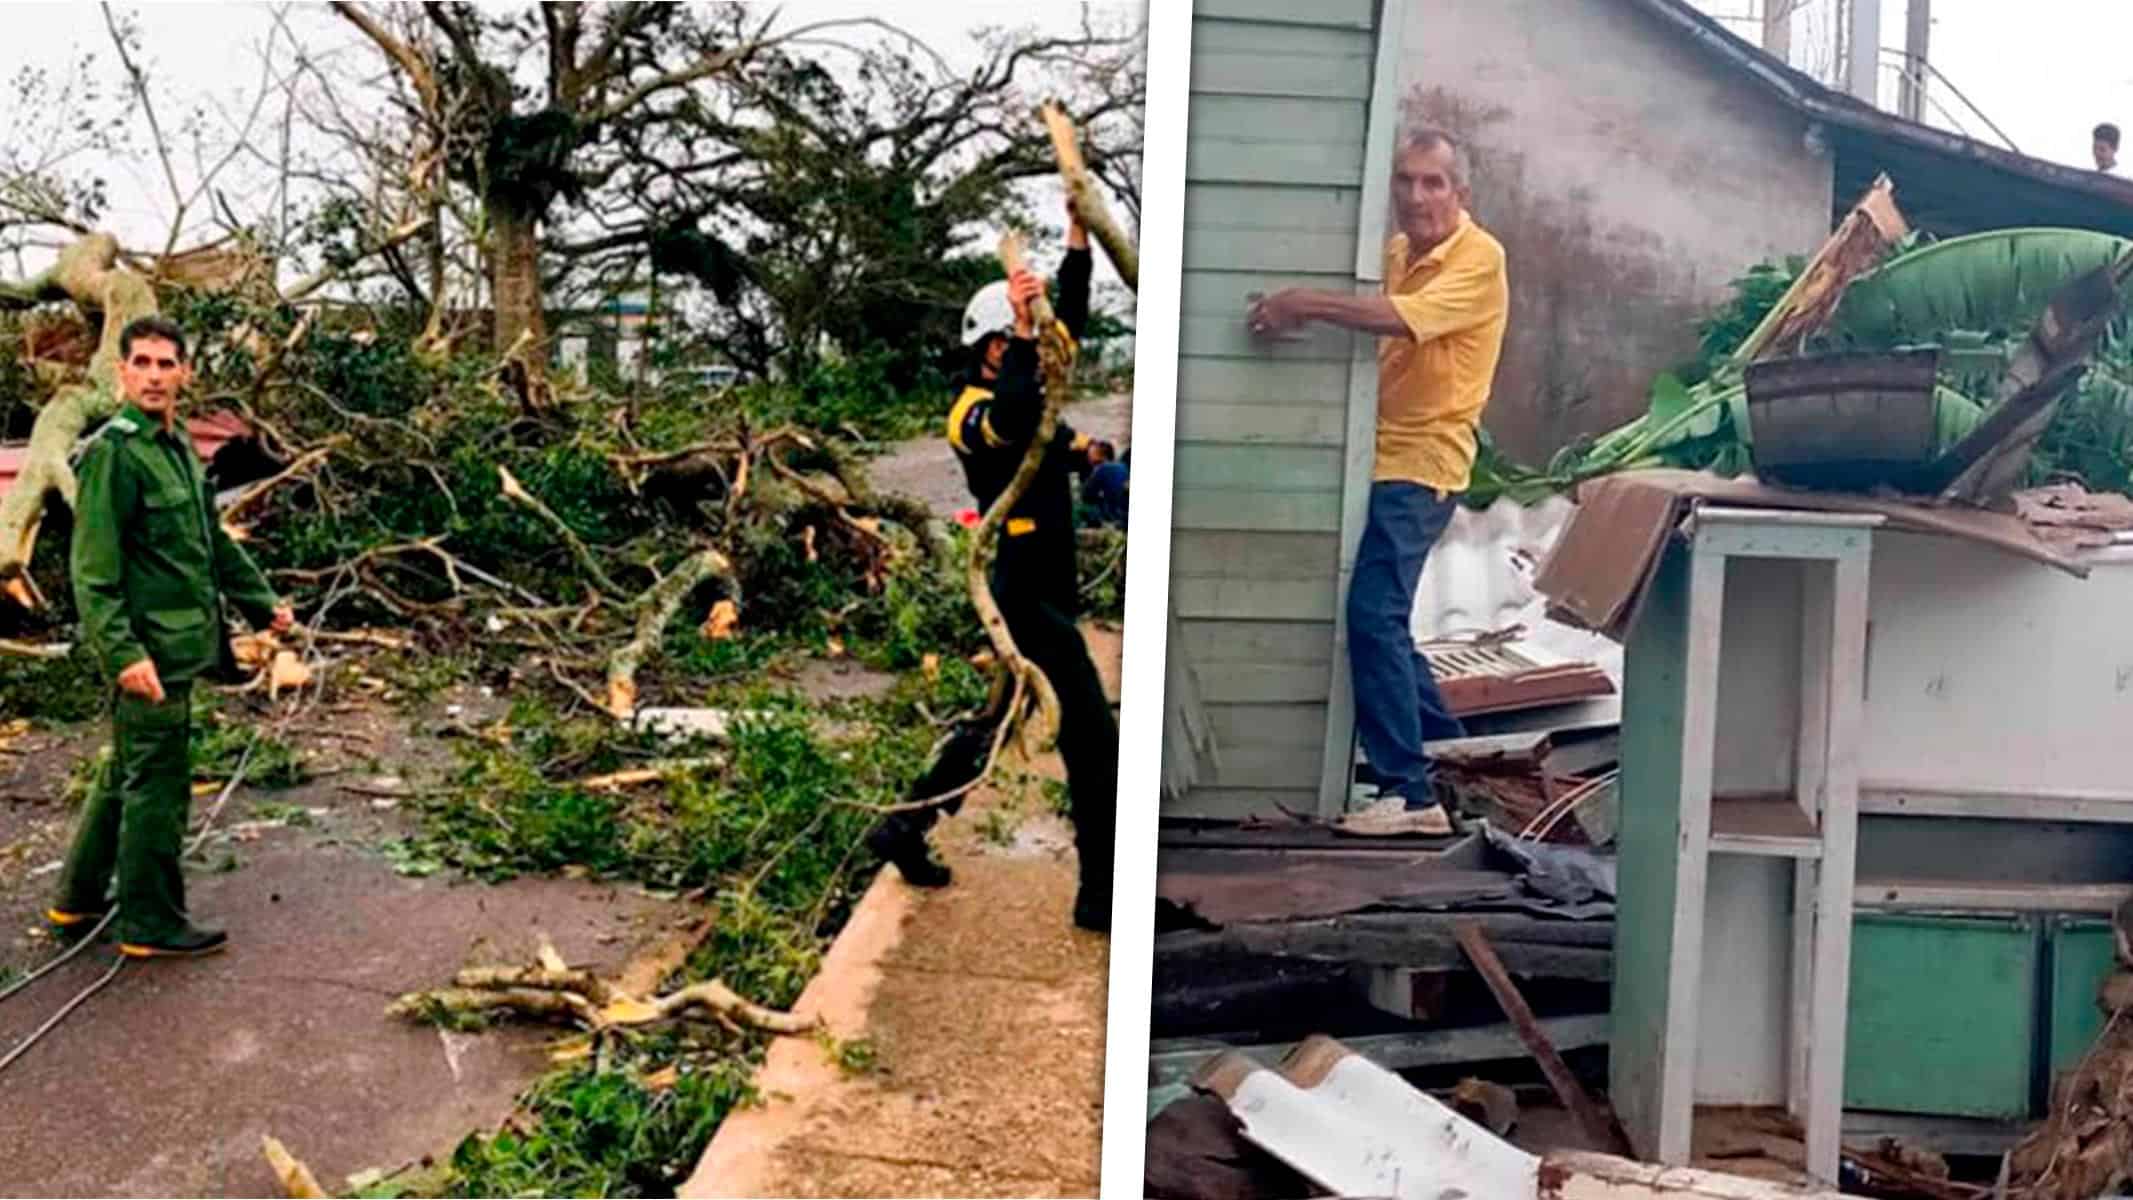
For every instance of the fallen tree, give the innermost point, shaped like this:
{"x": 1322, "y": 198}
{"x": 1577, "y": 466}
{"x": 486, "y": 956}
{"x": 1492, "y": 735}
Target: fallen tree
{"x": 87, "y": 274}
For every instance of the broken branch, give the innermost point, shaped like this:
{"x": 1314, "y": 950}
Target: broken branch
{"x": 578, "y": 549}
{"x": 251, "y": 496}
{"x": 549, "y": 990}
{"x": 87, "y": 274}
{"x": 1088, "y": 203}
{"x": 654, "y": 610}
{"x": 1051, "y": 354}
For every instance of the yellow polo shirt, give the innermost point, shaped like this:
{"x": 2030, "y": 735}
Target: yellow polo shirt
{"x": 1431, "y": 389}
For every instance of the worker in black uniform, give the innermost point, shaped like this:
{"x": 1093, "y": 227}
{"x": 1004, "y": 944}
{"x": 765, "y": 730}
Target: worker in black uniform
{"x": 999, "y": 403}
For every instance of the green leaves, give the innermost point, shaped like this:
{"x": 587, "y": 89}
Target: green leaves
{"x": 1972, "y": 296}
{"x": 1993, "y": 284}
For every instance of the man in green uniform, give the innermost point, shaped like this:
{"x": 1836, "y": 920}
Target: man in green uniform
{"x": 152, "y": 571}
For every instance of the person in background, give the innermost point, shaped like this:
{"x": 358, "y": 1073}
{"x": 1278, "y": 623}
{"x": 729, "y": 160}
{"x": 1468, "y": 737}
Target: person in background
{"x": 1103, "y": 486}
{"x": 1440, "y": 327}
{"x": 2103, "y": 143}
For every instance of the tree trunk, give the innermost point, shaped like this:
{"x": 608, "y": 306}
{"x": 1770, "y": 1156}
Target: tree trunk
{"x": 515, "y": 258}
{"x": 86, "y": 275}
{"x": 432, "y": 340}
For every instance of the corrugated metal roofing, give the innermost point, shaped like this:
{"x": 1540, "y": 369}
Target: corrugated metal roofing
{"x": 1357, "y": 1129}
{"x": 1479, "y": 581}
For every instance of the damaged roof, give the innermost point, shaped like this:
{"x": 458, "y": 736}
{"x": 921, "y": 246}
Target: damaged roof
{"x": 211, "y": 432}
{"x": 1949, "y": 184}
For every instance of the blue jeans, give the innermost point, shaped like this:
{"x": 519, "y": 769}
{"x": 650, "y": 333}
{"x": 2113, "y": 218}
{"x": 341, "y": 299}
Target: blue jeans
{"x": 1397, "y": 705}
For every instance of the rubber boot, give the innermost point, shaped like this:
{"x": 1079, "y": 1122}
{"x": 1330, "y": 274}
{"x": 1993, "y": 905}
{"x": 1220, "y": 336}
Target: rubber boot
{"x": 902, "y": 844}
{"x": 900, "y": 839}
{"x": 189, "y": 942}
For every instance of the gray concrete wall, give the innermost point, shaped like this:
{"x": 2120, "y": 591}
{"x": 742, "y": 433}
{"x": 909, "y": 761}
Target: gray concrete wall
{"x": 1629, "y": 176}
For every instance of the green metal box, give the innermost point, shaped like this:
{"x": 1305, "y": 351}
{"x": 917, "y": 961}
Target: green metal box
{"x": 1943, "y": 1015}
{"x": 2081, "y": 957}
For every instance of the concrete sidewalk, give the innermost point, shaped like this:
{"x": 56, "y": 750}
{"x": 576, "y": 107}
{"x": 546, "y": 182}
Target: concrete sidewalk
{"x": 984, "y": 1007}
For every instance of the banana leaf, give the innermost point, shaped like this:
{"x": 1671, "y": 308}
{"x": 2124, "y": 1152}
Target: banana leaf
{"x": 1971, "y": 295}
{"x": 1993, "y": 284}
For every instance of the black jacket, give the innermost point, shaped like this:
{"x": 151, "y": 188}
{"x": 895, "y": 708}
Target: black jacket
{"x": 991, "y": 426}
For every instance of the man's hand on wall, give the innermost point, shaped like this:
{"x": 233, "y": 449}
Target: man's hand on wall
{"x": 1275, "y": 315}
{"x": 141, "y": 680}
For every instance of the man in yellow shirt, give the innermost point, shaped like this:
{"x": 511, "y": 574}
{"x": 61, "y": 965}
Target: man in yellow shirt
{"x": 1440, "y": 325}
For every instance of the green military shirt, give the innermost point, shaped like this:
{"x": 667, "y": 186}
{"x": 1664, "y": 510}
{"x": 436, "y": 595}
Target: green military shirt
{"x": 151, "y": 562}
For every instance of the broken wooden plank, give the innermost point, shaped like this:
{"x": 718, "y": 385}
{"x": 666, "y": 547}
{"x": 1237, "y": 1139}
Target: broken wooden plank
{"x": 1173, "y": 1060}
{"x": 1597, "y": 1123}
{"x": 1584, "y": 1176}
{"x": 1360, "y": 936}
{"x": 1226, "y": 888}
{"x": 1424, "y": 947}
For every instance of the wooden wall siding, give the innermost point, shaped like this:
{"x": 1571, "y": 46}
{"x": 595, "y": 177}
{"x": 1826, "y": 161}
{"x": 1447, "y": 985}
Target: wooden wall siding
{"x": 1279, "y": 111}
{"x": 1255, "y": 641}
{"x": 1302, "y": 63}
{"x": 1254, "y": 228}
{"x": 1324, "y": 14}
{"x": 1305, "y": 141}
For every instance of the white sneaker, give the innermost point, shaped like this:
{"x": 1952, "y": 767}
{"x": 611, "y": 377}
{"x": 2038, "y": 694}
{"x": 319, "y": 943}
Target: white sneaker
{"x": 1389, "y": 816}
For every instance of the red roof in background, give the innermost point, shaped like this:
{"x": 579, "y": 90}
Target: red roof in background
{"x": 211, "y": 431}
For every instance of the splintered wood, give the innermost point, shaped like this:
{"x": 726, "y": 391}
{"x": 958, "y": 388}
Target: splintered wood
{"x": 1868, "y": 231}
{"x": 1087, "y": 201}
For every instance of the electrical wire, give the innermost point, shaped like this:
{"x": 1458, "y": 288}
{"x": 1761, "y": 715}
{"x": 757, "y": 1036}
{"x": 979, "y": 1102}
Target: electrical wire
{"x": 118, "y": 963}
{"x": 56, "y": 963}
{"x": 207, "y": 826}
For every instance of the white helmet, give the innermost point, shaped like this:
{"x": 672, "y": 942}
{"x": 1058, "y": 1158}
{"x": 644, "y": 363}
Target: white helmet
{"x": 989, "y": 312}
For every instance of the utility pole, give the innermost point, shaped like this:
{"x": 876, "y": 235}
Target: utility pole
{"x": 1918, "y": 26}
{"x": 1862, "y": 44}
{"x": 1777, "y": 29}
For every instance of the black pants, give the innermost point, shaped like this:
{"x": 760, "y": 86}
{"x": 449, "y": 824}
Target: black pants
{"x": 1088, "y": 737}
{"x": 1088, "y": 741}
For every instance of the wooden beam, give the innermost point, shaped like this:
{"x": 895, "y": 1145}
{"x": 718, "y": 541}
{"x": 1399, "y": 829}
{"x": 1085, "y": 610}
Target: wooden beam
{"x": 1422, "y": 948}
{"x": 1173, "y": 1060}
{"x": 1597, "y": 1123}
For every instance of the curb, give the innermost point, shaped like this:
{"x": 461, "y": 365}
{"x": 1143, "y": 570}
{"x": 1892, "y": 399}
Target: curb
{"x": 741, "y": 1160}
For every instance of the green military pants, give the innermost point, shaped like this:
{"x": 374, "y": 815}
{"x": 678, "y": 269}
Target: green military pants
{"x": 135, "y": 819}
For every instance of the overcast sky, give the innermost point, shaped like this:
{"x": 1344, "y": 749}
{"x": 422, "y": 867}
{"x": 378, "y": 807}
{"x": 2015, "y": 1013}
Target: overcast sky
{"x": 2044, "y": 71}
{"x": 200, "y": 53}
